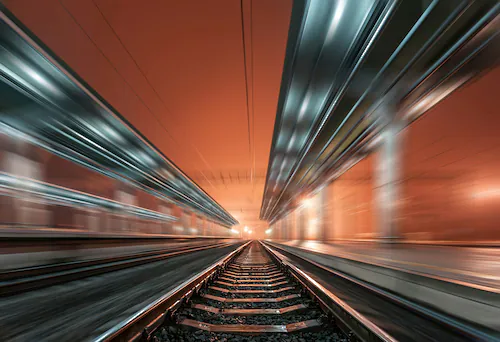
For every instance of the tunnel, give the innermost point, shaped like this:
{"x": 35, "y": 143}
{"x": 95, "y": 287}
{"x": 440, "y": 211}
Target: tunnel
{"x": 249, "y": 170}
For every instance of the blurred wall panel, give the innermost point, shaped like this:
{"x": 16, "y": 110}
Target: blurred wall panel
{"x": 451, "y": 167}
{"x": 351, "y": 205}
{"x": 31, "y": 166}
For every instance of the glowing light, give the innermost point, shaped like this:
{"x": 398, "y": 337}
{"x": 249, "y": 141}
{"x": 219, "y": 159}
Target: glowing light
{"x": 245, "y": 229}
{"x": 290, "y": 144}
{"x": 269, "y": 231}
{"x": 307, "y": 203}
{"x": 249, "y": 232}
{"x": 313, "y": 221}
{"x": 487, "y": 193}
{"x": 111, "y": 133}
{"x": 38, "y": 78}
{"x": 234, "y": 231}
{"x": 431, "y": 100}
{"x": 304, "y": 106}
{"x": 337, "y": 15}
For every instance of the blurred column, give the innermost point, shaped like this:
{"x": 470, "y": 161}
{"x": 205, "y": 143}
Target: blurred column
{"x": 273, "y": 231}
{"x": 185, "y": 223}
{"x": 286, "y": 229}
{"x": 193, "y": 224}
{"x": 322, "y": 214}
{"x": 301, "y": 223}
{"x": 294, "y": 232}
{"x": 204, "y": 223}
{"x": 126, "y": 195}
{"x": 22, "y": 159}
{"x": 210, "y": 228}
{"x": 150, "y": 202}
{"x": 167, "y": 209}
{"x": 388, "y": 173}
{"x": 328, "y": 217}
{"x": 200, "y": 227}
{"x": 314, "y": 217}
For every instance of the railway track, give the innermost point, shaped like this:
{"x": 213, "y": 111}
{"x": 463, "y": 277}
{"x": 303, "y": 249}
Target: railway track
{"x": 259, "y": 294}
{"x": 32, "y": 278}
{"x": 248, "y": 296}
{"x": 252, "y": 296}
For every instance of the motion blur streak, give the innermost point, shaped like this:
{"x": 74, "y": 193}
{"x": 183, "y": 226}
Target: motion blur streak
{"x": 140, "y": 142}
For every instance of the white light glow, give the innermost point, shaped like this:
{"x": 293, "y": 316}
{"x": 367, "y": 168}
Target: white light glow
{"x": 307, "y": 203}
{"x": 490, "y": 193}
{"x": 432, "y": 99}
{"x": 304, "y": 106}
{"x": 111, "y": 133}
{"x": 38, "y": 78}
{"x": 269, "y": 231}
{"x": 337, "y": 15}
{"x": 245, "y": 229}
{"x": 249, "y": 232}
{"x": 234, "y": 231}
{"x": 290, "y": 144}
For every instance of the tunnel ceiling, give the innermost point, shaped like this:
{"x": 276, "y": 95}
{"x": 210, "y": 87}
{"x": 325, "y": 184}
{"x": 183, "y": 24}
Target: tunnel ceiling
{"x": 179, "y": 73}
{"x": 348, "y": 61}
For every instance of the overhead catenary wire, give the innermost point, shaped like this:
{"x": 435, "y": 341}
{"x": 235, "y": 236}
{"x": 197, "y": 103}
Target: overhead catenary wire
{"x": 247, "y": 97}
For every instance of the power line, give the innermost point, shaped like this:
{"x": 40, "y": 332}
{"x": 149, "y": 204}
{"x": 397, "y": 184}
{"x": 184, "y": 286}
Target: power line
{"x": 246, "y": 79}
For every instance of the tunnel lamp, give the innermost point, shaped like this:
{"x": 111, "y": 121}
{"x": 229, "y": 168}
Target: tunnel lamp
{"x": 245, "y": 229}
{"x": 269, "y": 231}
{"x": 487, "y": 193}
{"x": 307, "y": 203}
{"x": 249, "y": 232}
{"x": 234, "y": 231}
{"x": 39, "y": 78}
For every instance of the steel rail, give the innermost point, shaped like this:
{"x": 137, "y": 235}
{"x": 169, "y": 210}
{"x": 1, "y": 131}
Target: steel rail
{"x": 144, "y": 323}
{"x": 39, "y": 277}
{"x": 349, "y": 318}
{"x": 459, "y": 327}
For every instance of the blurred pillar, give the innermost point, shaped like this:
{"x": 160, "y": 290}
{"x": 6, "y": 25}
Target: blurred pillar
{"x": 177, "y": 227}
{"x": 328, "y": 217}
{"x": 314, "y": 217}
{"x": 186, "y": 222}
{"x": 210, "y": 228}
{"x": 167, "y": 209}
{"x": 22, "y": 159}
{"x": 293, "y": 228}
{"x": 322, "y": 214}
{"x": 302, "y": 223}
{"x": 286, "y": 226}
{"x": 193, "y": 224}
{"x": 204, "y": 223}
{"x": 388, "y": 173}
{"x": 126, "y": 195}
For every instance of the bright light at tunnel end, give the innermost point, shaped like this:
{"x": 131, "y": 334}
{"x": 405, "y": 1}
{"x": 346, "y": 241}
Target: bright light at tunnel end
{"x": 307, "y": 203}
{"x": 269, "y": 231}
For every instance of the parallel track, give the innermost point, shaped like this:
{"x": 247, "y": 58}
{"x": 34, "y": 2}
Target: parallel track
{"x": 32, "y": 278}
{"x": 247, "y": 296}
{"x": 258, "y": 294}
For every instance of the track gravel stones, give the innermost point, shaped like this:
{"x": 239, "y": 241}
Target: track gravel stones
{"x": 252, "y": 300}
